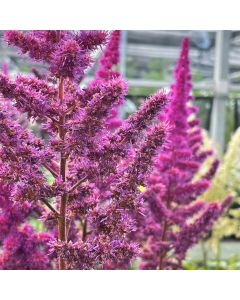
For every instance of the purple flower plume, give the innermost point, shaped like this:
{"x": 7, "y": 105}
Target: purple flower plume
{"x": 174, "y": 219}
{"x": 83, "y": 180}
{"x": 107, "y": 62}
{"x": 89, "y": 204}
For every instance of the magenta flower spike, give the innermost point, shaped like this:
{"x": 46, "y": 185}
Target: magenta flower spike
{"x": 107, "y": 62}
{"x": 174, "y": 219}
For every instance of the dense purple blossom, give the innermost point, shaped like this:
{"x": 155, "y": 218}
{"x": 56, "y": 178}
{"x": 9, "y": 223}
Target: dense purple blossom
{"x": 174, "y": 219}
{"x": 21, "y": 246}
{"x": 93, "y": 195}
{"x": 192, "y": 232}
{"x": 110, "y": 58}
{"x": 90, "y": 39}
{"x": 32, "y": 96}
{"x": 106, "y": 71}
{"x": 69, "y": 60}
{"x": 30, "y": 44}
{"x": 67, "y": 52}
{"x": 94, "y": 213}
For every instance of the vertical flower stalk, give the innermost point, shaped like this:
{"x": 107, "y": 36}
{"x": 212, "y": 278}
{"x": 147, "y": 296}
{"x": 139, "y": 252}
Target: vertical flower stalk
{"x": 92, "y": 198}
{"x": 174, "y": 217}
{"x": 107, "y": 62}
{"x": 63, "y": 170}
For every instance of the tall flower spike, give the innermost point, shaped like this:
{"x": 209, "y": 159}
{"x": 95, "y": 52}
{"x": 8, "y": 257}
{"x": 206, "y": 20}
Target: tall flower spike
{"x": 110, "y": 57}
{"x": 175, "y": 218}
{"x": 107, "y": 62}
{"x": 83, "y": 178}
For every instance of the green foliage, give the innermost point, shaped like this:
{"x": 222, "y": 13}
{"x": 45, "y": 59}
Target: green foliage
{"x": 232, "y": 263}
{"x": 37, "y": 224}
{"x": 149, "y": 68}
{"x": 226, "y": 182}
{"x": 49, "y": 177}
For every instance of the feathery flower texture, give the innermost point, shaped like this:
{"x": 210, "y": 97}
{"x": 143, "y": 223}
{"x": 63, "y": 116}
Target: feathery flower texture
{"x": 108, "y": 60}
{"x": 89, "y": 207}
{"x": 174, "y": 218}
{"x": 93, "y": 213}
{"x": 22, "y": 247}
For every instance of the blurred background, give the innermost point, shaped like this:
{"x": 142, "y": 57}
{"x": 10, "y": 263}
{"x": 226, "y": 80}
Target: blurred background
{"x": 147, "y": 61}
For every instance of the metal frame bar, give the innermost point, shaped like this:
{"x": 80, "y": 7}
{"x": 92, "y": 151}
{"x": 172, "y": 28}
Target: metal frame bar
{"x": 221, "y": 87}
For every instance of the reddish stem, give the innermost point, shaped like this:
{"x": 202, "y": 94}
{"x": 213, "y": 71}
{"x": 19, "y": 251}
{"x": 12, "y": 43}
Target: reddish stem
{"x": 63, "y": 170}
{"x": 84, "y": 230}
{"x": 163, "y": 238}
{"x": 56, "y": 213}
{"x": 76, "y": 185}
{"x": 164, "y": 234}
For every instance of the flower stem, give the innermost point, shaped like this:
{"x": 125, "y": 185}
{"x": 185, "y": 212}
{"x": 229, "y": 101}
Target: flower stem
{"x": 163, "y": 238}
{"x": 84, "y": 230}
{"x": 164, "y": 233}
{"x": 63, "y": 170}
{"x": 50, "y": 207}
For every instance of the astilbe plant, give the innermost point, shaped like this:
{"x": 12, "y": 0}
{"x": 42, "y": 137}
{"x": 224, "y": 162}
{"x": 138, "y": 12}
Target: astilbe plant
{"x": 94, "y": 197}
{"x": 174, "y": 218}
{"x": 109, "y": 60}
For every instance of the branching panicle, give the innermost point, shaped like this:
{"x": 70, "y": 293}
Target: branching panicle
{"x": 89, "y": 204}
